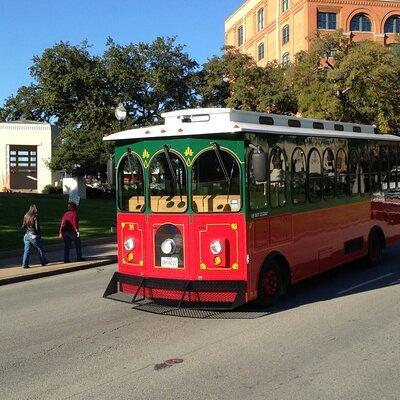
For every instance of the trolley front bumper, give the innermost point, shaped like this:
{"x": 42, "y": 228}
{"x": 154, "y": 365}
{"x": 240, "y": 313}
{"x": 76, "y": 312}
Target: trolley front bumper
{"x": 203, "y": 295}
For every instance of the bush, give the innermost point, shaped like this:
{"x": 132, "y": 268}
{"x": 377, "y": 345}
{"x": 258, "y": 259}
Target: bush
{"x": 51, "y": 189}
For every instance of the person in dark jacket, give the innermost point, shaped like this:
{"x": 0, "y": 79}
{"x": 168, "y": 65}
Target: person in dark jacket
{"x": 69, "y": 232}
{"x": 32, "y": 236}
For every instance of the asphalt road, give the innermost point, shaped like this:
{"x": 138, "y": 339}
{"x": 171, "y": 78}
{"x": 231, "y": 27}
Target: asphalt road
{"x": 334, "y": 337}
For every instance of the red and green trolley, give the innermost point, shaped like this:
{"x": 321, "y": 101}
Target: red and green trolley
{"x": 218, "y": 207}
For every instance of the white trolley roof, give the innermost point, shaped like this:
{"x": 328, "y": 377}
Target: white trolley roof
{"x": 206, "y": 121}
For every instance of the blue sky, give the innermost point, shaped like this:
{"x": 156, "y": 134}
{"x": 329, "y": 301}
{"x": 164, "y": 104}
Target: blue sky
{"x": 27, "y": 27}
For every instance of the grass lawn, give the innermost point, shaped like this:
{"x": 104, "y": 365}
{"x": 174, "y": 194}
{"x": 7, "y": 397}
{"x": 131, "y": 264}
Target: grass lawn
{"x": 95, "y": 218}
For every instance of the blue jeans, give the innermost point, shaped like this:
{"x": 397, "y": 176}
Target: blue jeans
{"x": 70, "y": 237}
{"x": 30, "y": 241}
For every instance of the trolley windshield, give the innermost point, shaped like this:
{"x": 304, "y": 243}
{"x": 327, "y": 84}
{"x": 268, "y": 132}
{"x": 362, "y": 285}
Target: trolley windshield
{"x": 167, "y": 177}
{"x": 216, "y": 182}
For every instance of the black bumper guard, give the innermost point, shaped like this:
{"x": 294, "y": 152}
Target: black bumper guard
{"x": 188, "y": 288}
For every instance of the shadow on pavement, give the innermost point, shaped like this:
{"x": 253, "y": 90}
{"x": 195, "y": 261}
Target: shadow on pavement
{"x": 346, "y": 280}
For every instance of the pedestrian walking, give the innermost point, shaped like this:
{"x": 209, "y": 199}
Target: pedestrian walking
{"x": 69, "y": 232}
{"x": 32, "y": 236}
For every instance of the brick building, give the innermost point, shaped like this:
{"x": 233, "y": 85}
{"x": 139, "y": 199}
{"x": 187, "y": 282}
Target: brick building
{"x": 278, "y": 29}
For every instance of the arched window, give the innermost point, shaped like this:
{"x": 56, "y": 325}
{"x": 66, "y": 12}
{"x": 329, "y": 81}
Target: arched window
{"x": 328, "y": 177}
{"x": 285, "y": 59}
{"x": 384, "y": 169}
{"x": 240, "y": 35}
{"x": 375, "y": 167}
{"x": 277, "y": 177}
{"x": 392, "y": 24}
{"x": 361, "y": 23}
{"x": 341, "y": 174}
{"x": 354, "y": 173}
{"x": 285, "y": 34}
{"x": 130, "y": 184}
{"x": 167, "y": 175}
{"x": 298, "y": 176}
{"x": 260, "y": 19}
{"x": 392, "y": 169}
{"x": 261, "y": 51}
{"x": 365, "y": 173}
{"x": 314, "y": 176}
{"x": 216, "y": 182}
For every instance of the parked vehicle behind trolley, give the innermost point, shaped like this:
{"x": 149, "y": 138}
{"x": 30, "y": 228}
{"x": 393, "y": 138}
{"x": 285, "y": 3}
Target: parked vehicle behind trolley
{"x": 218, "y": 207}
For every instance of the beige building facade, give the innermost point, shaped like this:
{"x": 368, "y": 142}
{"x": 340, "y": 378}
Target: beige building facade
{"x": 278, "y": 29}
{"x": 25, "y": 147}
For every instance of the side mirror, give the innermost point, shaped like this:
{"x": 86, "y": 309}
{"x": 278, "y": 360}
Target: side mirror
{"x": 259, "y": 165}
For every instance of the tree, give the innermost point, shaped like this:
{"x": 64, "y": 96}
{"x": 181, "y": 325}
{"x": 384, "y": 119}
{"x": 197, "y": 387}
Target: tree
{"x": 151, "y": 78}
{"x": 361, "y": 83}
{"x": 26, "y": 104}
{"x": 78, "y": 92}
{"x": 235, "y": 80}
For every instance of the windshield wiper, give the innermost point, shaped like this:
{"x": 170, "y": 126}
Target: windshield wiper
{"x": 228, "y": 178}
{"x": 171, "y": 170}
{"x": 221, "y": 163}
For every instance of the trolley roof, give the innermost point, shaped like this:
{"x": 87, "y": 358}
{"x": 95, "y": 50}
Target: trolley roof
{"x": 207, "y": 121}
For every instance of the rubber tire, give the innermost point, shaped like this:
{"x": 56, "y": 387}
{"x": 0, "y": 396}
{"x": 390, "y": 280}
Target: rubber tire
{"x": 375, "y": 248}
{"x": 266, "y": 299}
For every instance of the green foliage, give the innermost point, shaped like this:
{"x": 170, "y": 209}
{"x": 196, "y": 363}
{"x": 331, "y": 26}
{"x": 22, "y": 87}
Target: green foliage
{"x": 360, "y": 84}
{"x": 79, "y": 92}
{"x": 151, "y": 78}
{"x": 235, "y": 80}
{"x": 52, "y": 189}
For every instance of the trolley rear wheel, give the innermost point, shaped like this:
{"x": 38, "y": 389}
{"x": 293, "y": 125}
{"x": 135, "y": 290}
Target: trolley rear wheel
{"x": 271, "y": 284}
{"x": 375, "y": 248}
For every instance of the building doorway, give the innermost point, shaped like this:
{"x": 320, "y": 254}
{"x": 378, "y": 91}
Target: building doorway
{"x": 23, "y": 167}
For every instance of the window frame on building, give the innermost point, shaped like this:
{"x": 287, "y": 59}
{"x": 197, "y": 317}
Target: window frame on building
{"x": 286, "y": 59}
{"x": 284, "y": 5}
{"x": 395, "y": 24}
{"x": 240, "y": 35}
{"x": 260, "y": 19}
{"x": 361, "y": 19}
{"x": 327, "y": 20}
{"x": 261, "y": 51}
{"x": 285, "y": 34}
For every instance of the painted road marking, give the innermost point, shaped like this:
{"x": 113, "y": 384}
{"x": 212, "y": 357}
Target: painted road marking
{"x": 365, "y": 283}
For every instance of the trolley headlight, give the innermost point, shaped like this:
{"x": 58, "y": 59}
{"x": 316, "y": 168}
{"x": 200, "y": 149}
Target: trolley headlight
{"x": 216, "y": 247}
{"x": 129, "y": 244}
{"x": 168, "y": 246}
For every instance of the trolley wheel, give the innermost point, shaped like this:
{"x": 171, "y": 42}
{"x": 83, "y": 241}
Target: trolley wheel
{"x": 375, "y": 249}
{"x": 271, "y": 284}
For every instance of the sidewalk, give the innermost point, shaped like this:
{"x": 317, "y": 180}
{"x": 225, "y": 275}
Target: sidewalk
{"x": 103, "y": 252}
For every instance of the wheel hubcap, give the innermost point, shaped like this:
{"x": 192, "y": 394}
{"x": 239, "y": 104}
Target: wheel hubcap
{"x": 271, "y": 282}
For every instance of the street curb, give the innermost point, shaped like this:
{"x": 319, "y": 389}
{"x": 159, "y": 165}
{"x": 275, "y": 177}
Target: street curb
{"x": 60, "y": 246}
{"x": 42, "y": 274}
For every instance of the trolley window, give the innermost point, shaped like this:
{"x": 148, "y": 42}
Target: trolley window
{"x": 299, "y": 176}
{"x": 130, "y": 184}
{"x": 167, "y": 176}
{"x": 216, "y": 182}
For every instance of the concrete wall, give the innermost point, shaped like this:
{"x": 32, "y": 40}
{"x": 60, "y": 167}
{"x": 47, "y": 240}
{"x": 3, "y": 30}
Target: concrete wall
{"x": 42, "y": 135}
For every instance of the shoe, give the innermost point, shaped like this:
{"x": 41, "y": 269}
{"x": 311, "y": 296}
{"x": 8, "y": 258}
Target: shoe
{"x": 45, "y": 263}
{"x": 25, "y": 266}
{"x": 81, "y": 259}
{"x": 66, "y": 261}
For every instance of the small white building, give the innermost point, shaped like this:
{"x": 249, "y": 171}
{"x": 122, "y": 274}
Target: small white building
{"x": 25, "y": 147}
